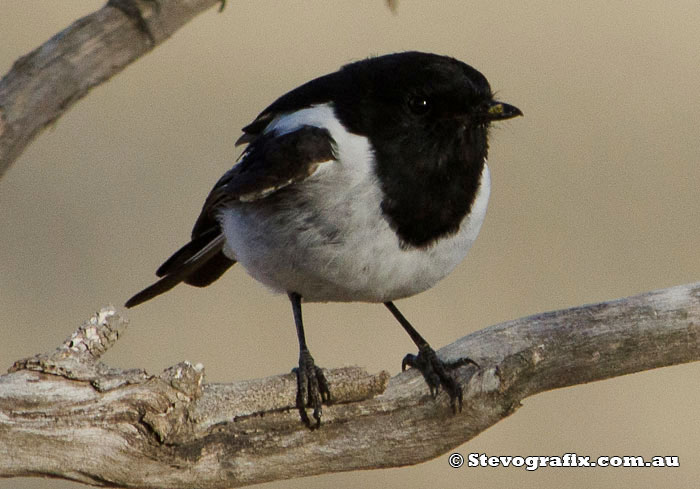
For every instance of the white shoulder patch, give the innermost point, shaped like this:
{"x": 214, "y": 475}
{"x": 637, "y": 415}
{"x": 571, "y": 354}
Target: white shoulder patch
{"x": 316, "y": 115}
{"x": 354, "y": 152}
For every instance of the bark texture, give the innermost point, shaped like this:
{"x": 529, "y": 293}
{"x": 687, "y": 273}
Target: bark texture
{"x": 65, "y": 414}
{"x": 44, "y": 84}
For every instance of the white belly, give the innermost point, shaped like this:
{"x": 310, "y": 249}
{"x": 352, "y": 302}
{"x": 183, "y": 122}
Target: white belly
{"x": 333, "y": 244}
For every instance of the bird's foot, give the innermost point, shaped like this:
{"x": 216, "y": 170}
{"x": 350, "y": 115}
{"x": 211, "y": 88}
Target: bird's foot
{"x": 436, "y": 373}
{"x": 312, "y": 389}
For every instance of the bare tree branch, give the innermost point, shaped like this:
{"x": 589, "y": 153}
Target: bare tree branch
{"x": 67, "y": 415}
{"x": 45, "y": 83}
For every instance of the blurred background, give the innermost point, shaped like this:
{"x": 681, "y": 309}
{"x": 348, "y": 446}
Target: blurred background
{"x": 595, "y": 197}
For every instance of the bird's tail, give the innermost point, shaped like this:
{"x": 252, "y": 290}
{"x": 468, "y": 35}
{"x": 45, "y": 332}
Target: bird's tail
{"x": 199, "y": 263}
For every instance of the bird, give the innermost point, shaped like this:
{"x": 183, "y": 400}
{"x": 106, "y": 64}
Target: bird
{"x": 368, "y": 184}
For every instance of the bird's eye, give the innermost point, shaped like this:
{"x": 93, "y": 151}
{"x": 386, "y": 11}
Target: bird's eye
{"x": 419, "y": 104}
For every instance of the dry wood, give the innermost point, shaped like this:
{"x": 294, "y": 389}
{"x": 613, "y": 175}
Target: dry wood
{"x": 45, "y": 83}
{"x": 65, "y": 414}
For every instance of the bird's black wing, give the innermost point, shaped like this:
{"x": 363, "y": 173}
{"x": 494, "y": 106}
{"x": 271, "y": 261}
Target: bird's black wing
{"x": 269, "y": 163}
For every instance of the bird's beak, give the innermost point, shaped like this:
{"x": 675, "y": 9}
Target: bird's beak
{"x": 498, "y": 111}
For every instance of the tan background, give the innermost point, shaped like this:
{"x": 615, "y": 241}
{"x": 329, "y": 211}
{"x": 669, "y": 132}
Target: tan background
{"x": 594, "y": 198}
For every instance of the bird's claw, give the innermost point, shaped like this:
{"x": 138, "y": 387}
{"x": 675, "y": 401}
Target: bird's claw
{"x": 436, "y": 373}
{"x": 312, "y": 389}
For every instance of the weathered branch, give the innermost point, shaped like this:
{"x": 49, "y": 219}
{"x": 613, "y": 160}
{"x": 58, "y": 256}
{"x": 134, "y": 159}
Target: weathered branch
{"x": 67, "y": 415}
{"x": 45, "y": 83}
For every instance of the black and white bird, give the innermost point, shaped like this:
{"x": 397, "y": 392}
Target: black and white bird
{"x": 369, "y": 184}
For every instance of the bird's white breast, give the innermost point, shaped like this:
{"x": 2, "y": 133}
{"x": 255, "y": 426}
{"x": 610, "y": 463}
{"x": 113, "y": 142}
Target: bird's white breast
{"x": 328, "y": 240}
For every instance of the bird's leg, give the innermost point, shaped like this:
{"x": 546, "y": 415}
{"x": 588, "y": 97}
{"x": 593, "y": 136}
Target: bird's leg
{"x": 434, "y": 370}
{"x": 312, "y": 387}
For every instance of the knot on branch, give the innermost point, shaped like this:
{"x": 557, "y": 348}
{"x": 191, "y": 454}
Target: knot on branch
{"x": 185, "y": 378}
{"x": 184, "y": 382}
